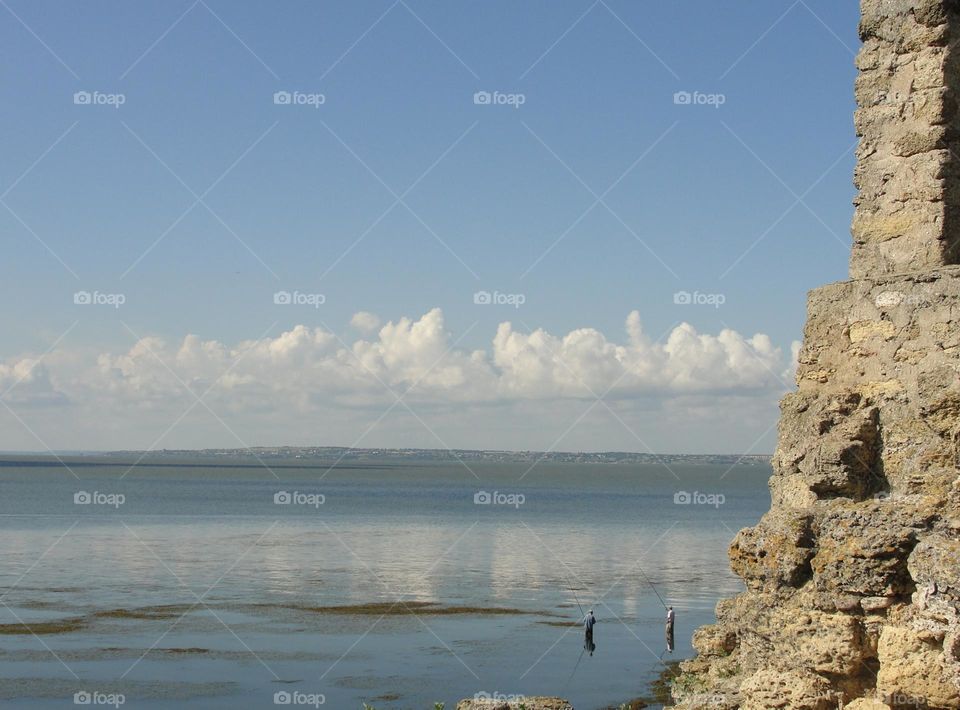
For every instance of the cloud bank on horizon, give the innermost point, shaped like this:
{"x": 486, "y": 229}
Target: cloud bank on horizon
{"x": 308, "y": 385}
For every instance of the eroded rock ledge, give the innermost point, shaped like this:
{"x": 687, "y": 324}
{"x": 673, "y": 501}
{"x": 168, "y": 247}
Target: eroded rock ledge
{"x": 853, "y": 576}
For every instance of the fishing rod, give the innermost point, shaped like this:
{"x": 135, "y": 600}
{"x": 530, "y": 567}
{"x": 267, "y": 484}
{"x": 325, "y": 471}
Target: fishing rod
{"x": 580, "y": 658}
{"x": 578, "y": 602}
{"x": 652, "y": 587}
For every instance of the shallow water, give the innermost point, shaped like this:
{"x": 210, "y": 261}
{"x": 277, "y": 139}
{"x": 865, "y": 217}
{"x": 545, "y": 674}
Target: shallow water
{"x": 198, "y": 590}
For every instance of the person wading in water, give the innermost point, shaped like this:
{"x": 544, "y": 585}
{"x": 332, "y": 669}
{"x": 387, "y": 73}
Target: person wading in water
{"x": 588, "y": 624}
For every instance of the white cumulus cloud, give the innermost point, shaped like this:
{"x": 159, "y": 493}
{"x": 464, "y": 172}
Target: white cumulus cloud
{"x": 305, "y": 370}
{"x": 365, "y": 322}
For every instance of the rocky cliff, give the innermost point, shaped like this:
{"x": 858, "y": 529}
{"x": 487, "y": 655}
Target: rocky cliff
{"x": 853, "y": 576}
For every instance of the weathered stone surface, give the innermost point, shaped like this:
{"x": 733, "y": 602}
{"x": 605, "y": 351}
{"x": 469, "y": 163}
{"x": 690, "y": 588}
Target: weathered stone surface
{"x": 866, "y": 498}
{"x": 862, "y": 550}
{"x": 853, "y": 576}
{"x": 912, "y": 380}
{"x": 935, "y": 566}
{"x": 843, "y": 462}
{"x": 776, "y": 552}
{"x": 827, "y": 643}
{"x": 866, "y": 704}
{"x": 714, "y": 640}
{"x": 905, "y": 162}
{"x": 790, "y": 690}
{"x": 913, "y": 670}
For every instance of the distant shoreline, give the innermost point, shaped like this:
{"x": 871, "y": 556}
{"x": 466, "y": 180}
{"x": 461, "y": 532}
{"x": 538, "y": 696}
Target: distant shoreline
{"x": 308, "y": 457}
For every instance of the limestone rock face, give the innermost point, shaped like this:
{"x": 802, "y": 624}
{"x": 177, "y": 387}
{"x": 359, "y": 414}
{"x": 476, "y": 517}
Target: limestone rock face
{"x": 867, "y": 704}
{"x": 853, "y": 577}
{"x": 779, "y": 529}
{"x": 905, "y": 166}
{"x": 915, "y": 670}
{"x": 862, "y": 550}
{"x": 786, "y": 689}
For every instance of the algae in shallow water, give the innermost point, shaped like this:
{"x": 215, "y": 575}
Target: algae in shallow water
{"x": 164, "y": 611}
{"x": 61, "y": 626}
{"x": 402, "y": 608}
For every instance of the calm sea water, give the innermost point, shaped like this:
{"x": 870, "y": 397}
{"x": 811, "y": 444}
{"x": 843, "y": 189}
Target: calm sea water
{"x": 196, "y": 589}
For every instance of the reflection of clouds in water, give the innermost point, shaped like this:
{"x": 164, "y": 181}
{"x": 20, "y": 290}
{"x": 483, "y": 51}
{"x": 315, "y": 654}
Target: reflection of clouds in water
{"x": 497, "y": 562}
{"x": 600, "y": 521}
{"x": 527, "y": 562}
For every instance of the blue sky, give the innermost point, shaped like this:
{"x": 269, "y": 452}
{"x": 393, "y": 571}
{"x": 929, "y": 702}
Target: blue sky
{"x": 750, "y": 200}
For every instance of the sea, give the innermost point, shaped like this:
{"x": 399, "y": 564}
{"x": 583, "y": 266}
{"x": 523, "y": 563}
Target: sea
{"x": 199, "y": 583}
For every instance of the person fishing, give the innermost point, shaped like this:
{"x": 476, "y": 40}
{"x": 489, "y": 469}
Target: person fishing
{"x": 588, "y": 623}
{"x": 671, "y": 617}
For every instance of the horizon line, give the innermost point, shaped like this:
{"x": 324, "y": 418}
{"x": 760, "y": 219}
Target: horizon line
{"x": 55, "y": 452}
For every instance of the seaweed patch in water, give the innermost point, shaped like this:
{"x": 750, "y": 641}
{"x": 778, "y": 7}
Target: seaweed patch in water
{"x": 61, "y": 626}
{"x": 661, "y": 686}
{"x": 163, "y": 611}
{"x": 660, "y": 689}
{"x": 426, "y": 608}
